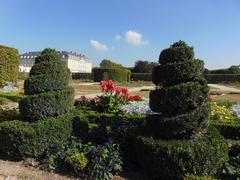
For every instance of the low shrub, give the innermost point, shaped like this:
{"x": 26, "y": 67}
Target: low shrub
{"x": 23, "y": 139}
{"x": 45, "y": 82}
{"x": 173, "y": 159}
{"x": 78, "y": 161}
{"x": 88, "y": 161}
{"x": 231, "y": 170}
{"x": 228, "y": 130}
{"x": 173, "y": 73}
{"x": 180, "y": 126}
{"x": 179, "y": 98}
{"x": 141, "y": 76}
{"x": 115, "y": 74}
{"x": 222, "y": 114}
{"x": 44, "y": 105}
{"x": 82, "y": 76}
{"x": 220, "y": 78}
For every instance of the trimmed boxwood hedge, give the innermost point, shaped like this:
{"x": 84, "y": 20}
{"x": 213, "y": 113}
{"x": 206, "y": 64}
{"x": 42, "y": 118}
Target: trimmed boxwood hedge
{"x": 49, "y": 104}
{"x": 46, "y": 82}
{"x": 115, "y": 74}
{"x": 9, "y": 64}
{"x": 174, "y": 73}
{"x": 179, "y": 98}
{"x": 180, "y": 126}
{"x": 21, "y": 139}
{"x": 228, "y": 130}
{"x": 177, "y": 52}
{"x": 49, "y": 67}
{"x": 173, "y": 159}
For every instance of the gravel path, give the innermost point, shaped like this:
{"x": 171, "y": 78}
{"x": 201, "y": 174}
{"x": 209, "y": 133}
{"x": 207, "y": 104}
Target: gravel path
{"x": 131, "y": 89}
{"x": 225, "y": 88}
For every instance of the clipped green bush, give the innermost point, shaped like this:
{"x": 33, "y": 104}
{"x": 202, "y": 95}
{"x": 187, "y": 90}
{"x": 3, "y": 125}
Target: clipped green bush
{"x": 45, "y": 82}
{"x": 47, "y": 104}
{"x": 21, "y": 139}
{"x": 47, "y": 88}
{"x": 9, "y": 58}
{"x": 177, "y": 52}
{"x": 173, "y": 159}
{"x": 179, "y": 126}
{"x": 177, "y": 99}
{"x": 173, "y": 73}
{"x": 115, "y": 74}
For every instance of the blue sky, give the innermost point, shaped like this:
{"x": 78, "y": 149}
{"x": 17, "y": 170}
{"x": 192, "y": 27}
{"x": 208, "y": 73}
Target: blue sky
{"x": 124, "y": 30}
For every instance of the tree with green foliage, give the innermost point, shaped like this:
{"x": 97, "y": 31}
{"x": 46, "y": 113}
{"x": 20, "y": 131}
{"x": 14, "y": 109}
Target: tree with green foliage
{"x": 47, "y": 88}
{"x": 143, "y": 66}
{"x": 106, "y": 63}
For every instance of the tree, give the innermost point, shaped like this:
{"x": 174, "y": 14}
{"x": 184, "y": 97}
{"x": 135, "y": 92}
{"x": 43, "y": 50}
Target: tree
{"x": 234, "y": 69}
{"x": 106, "y": 63}
{"x": 144, "y": 66}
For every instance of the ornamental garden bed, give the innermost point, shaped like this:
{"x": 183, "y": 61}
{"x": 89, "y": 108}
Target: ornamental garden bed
{"x": 178, "y": 134}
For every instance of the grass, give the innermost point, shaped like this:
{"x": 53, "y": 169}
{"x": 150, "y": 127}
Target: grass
{"x": 13, "y": 96}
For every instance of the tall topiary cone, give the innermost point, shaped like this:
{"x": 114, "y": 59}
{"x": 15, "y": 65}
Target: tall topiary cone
{"x": 178, "y": 141}
{"x": 47, "y": 90}
{"x": 181, "y": 94}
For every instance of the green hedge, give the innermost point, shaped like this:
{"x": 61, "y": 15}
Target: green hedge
{"x": 173, "y": 73}
{"x": 228, "y": 130}
{"x": 46, "y": 82}
{"x": 82, "y": 76}
{"x": 178, "y": 98}
{"x": 141, "y": 76}
{"x": 180, "y": 126}
{"x": 52, "y": 103}
{"x": 23, "y": 139}
{"x": 219, "y": 78}
{"x": 9, "y": 65}
{"x": 173, "y": 159}
{"x": 119, "y": 75}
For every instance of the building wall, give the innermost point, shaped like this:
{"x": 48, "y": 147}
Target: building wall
{"x": 76, "y": 63}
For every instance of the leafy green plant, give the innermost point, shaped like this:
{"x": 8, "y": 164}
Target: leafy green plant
{"x": 221, "y": 113}
{"x": 105, "y": 162}
{"x": 78, "y": 161}
{"x": 8, "y": 114}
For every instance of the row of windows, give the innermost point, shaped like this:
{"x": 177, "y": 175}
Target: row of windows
{"x": 28, "y": 57}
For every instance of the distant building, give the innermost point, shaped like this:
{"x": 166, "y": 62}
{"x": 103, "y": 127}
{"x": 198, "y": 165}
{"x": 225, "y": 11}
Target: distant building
{"x": 77, "y": 63}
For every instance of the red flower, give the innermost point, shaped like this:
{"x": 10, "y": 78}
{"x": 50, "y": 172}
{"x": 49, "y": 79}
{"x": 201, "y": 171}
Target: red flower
{"x": 110, "y": 86}
{"x": 83, "y": 98}
{"x": 125, "y": 91}
{"x": 134, "y": 98}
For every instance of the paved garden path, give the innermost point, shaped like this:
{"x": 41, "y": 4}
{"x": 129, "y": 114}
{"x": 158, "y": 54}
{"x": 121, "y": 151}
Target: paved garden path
{"x": 136, "y": 89}
{"x": 225, "y": 88}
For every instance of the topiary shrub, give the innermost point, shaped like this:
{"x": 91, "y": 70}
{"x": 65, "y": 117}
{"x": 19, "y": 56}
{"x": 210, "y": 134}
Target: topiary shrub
{"x": 178, "y": 141}
{"x": 47, "y": 88}
{"x": 181, "y": 97}
{"x": 9, "y": 58}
